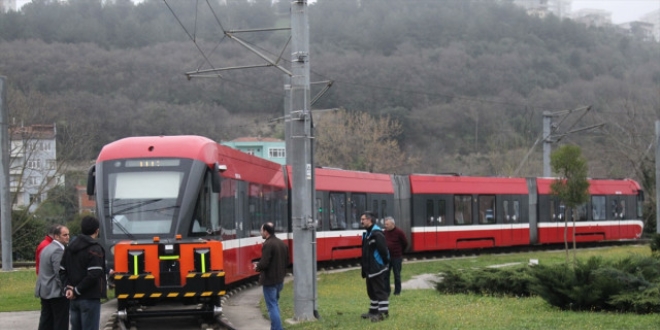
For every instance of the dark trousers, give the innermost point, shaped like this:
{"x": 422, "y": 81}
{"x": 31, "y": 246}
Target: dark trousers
{"x": 85, "y": 314}
{"x": 54, "y": 314}
{"x": 395, "y": 266}
{"x": 378, "y": 294}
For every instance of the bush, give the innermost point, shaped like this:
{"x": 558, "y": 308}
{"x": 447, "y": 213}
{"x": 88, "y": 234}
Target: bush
{"x": 655, "y": 245}
{"x": 486, "y": 281}
{"x": 628, "y": 285}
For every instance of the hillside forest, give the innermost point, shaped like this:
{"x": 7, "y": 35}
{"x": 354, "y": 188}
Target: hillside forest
{"x": 460, "y": 86}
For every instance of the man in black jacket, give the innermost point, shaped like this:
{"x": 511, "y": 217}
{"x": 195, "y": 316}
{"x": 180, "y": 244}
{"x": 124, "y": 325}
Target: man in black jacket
{"x": 375, "y": 264}
{"x": 272, "y": 266}
{"x": 82, "y": 272}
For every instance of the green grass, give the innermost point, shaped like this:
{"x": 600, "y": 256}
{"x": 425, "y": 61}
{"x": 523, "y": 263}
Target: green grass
{"x": 17, "y": 291}
{"x": 342, "y": 298}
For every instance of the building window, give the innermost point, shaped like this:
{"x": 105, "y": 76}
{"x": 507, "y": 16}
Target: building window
{"x": 51, "y": 164}
{"x": 35, "y": 198}
{"x": 249, "y": 151}
{"x": 33, "y": 164}
{"x": 276, "y": 152}
{"x": 32, "y": 181}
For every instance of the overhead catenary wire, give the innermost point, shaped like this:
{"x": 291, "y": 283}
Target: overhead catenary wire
{"x": 332, "y": 81}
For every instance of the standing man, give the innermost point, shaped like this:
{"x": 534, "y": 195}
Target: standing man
{"x": 54, "y": 305}
{"x": 44, "y": 244}
{"x": 375, "y": 260}
{"x": 272, "y": 269}
{"x": 396, "y": 244}
{"x": 83, "y": 273}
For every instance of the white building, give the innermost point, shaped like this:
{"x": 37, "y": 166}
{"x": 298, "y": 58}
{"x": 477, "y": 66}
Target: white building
{"x": 653, "y": 18}
{"x": 541, "y": 8}
{"x": 33, "y": 164}
{"x": 593, "y": 17}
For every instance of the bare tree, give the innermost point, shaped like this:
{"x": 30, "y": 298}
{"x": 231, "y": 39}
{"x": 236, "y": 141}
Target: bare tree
{"x": 37, "y": 166}
{"x": 358, "y": 141}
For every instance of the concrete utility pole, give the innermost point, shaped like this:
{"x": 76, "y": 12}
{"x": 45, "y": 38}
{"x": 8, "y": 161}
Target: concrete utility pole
{"x": 547, "y": 144}
{"x": 657, "y": 175}
{"x": 5, "y": 204}
{"x": 302, "y": 194}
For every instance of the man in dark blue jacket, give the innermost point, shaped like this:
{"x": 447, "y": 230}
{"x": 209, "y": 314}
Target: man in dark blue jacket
{"x": 375, "y": 264}
{"x": 82, "y": 272}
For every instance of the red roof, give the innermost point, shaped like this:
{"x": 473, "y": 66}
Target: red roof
{"x": 446, "y": 184}
{"x": 597, "y": 186}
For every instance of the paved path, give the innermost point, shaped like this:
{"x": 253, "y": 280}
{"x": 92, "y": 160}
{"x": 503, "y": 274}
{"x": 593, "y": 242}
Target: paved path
{"x": 30, "y": 320}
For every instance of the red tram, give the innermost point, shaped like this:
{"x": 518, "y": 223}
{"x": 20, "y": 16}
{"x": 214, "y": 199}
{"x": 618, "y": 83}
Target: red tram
{"x": 160, "y": 198}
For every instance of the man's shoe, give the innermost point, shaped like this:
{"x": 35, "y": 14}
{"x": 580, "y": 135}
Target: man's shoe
{"x": 377, "y": 317}
{"x": 366, "y": 315}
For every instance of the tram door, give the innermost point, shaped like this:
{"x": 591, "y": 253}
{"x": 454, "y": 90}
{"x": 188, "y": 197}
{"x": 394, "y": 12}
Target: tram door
{"x": 436, "y": 219}
{"x": 511, "y": 217}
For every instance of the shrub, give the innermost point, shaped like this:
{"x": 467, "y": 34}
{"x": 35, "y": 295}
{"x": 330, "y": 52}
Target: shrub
{"x": 486, "y": 281}
{"x": 628, "y": 285}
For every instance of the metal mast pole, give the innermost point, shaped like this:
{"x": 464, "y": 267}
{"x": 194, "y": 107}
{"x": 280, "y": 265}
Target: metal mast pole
{"x": 304, "y": 226}
{"x": 547, "y": 143}
{"x": 5, "y": 204}
{"x": 657, "y": 175}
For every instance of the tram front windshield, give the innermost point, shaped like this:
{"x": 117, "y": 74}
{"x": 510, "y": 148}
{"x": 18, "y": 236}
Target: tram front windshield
{"x": 143, "y": 202}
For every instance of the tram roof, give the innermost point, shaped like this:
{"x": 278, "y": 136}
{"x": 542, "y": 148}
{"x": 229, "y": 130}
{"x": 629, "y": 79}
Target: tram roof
{"x": 451, "y": 184}
{"x": 239, "y": 164}
{"x": 597, "y": 186}
{"x": 328, "y": 179}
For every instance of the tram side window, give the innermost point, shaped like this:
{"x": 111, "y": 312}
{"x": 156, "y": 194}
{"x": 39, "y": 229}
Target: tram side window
{"x": 598, "y": 207}
{"x": 254, "y": 209}
{"x": 582, "y": 212}
{"x": 486, "y": 209}
{"x": 227, "y": 209}
{"x": 557, "y": 211}
{"x": 463, "y": 210}
{"x": 383, "y": 209}
{"x": 442, "y": 212}
{"x": 516, "y": 211}
{"x": 279, "y": 214}
{"x": 358, "y": 205}
{"x": 271, "y": 209}
{"x": 619, "y": 209}
{"x": 511, "y": 214}
{"x": 337, "y": 211}
{"x": 319, "y": 213}
{"x": 267, "y": 214}
{"x": 430, "y": 213}
{"x": 202, "y": 223}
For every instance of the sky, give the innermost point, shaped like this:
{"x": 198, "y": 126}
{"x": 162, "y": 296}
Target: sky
{"x": 622, "y": 10}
